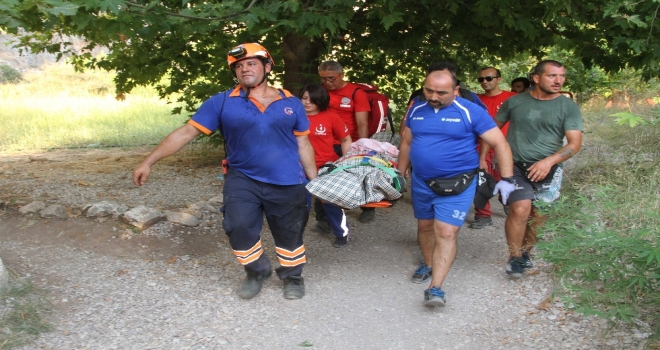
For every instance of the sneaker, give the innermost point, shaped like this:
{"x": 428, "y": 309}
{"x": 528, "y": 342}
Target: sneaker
{"x": 422, "y": 274}
{"x": 322, "y": 227}
{"x": 294, "y": 287}
{"x": 252, "y": 283}
{"x": 434, "y": 296}
{"x": 480, "y": 223}
{"x": 514, "y": 268}
{"x": 506, "y": 210}
{"x": 367, "y": 215}
{"x": 527, "y": 261}
{"x": 340, "y": 242}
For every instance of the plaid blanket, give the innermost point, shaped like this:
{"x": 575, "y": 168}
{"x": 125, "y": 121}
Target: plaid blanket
{"x": 357, "y": 179}
{"x": 386, "y": 136}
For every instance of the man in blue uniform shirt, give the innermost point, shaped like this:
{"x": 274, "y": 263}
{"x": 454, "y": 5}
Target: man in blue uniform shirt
{"x": 439, "y": 141}
{"x": 270, "y": 161}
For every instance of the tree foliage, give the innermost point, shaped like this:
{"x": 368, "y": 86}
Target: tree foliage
{"x": 180, "y": 46}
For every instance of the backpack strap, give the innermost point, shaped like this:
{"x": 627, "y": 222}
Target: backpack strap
{"x": 354, "y": 91}
{"x": 466, "y": 94}
{"x": 389, "y": 118}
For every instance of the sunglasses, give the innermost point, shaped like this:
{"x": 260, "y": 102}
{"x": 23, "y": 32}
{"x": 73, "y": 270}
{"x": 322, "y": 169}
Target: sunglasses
{"x": 488, "y": 78}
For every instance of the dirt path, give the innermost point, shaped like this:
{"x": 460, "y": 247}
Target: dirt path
{"x": 173, "y": 287}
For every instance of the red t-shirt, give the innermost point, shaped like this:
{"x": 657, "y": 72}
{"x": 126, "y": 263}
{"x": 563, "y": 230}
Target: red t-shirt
{"x": 493, "y": 104}
{"x": 325, "y": 129}
{"x": 341, "y": 102}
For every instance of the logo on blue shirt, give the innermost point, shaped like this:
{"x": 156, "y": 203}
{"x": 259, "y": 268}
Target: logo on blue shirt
{"x": 451, "y": 120}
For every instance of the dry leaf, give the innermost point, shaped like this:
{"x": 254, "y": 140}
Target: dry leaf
{"x": 545, "y": 304}
{"x": 171, "y": 260}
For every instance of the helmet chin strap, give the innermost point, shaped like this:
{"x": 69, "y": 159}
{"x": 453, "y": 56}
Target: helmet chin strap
{"x": 247, "y": 92}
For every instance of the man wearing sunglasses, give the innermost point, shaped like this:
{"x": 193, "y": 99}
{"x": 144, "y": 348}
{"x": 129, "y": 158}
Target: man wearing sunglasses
{"x": 493, "y": 97}
{"x": 269, "y": 154}
{"x": 352, "y": 105}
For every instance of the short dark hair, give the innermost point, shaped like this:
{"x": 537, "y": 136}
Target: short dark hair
{"x": 524, "y": 80}
{"x": 540, "y": 67}
{"x": 442, "y": 65}
{"x": 317, "y": 94}
{"x": 499, "y": 74}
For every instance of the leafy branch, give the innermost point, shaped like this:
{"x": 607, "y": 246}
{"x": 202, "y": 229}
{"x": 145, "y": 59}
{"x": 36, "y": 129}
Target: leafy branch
{"x": 173, "y": 14}
{"x": 655, "y": 15}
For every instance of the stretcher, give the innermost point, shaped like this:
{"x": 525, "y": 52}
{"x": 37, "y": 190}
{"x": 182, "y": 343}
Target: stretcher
{"x": 359, "y": 179}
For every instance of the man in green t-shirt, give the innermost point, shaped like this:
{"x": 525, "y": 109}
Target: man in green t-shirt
{"x": 538, "y": 122}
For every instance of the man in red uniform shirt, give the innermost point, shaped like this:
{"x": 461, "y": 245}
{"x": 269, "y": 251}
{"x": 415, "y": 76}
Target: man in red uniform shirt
{"x": 352, "y": 105}
{"x": 493, "y": 97}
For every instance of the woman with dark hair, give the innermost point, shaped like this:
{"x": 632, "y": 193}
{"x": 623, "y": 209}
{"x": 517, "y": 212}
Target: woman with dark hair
{"x": 326, "y": 128}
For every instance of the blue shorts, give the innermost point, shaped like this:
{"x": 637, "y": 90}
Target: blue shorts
{"x": 427, "y": 205}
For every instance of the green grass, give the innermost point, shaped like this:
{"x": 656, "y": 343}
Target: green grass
{"x": 22, "y": 312}
{"x": 56, "y": 107}
{"x": 603, "y": 237}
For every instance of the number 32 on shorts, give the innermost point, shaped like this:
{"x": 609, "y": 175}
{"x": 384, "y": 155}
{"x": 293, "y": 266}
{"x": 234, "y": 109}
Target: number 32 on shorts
{"x": 460, "y": 215}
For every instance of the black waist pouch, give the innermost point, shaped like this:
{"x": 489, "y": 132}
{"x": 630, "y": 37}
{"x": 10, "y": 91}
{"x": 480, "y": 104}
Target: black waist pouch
{"x": 452, "y": 185}
{"x": 522, "y": 166}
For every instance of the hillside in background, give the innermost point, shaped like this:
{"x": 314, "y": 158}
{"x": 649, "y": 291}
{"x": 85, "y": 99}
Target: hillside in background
{"x": 24, "y": 61}
{"x": 21, "y": 62}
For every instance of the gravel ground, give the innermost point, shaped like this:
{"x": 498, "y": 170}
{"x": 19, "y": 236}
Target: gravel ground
{"x": 173, "y": 287}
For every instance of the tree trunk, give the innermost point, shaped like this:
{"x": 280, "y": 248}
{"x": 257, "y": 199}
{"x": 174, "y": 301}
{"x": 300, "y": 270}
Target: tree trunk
{"x": 301, "y": 59}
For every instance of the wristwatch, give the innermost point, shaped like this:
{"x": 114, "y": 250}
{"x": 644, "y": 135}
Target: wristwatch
{"x": 509, "y": 180}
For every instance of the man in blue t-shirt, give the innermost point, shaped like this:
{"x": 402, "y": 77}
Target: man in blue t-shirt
{"x": 270, "y": 160}
{"x": 440, "y": 142}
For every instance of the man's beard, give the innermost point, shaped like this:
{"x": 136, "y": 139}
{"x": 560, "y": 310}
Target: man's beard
{"x": 548, "y": 91}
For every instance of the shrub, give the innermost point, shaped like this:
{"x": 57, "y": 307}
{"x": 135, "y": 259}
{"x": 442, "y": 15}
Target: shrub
{"x": 603, "y": 236}
{"x": 9, "y": 74}
{"x": 23, "y": 308}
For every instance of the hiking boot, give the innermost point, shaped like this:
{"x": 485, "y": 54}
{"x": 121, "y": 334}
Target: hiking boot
{"x": 422, "y": 274}
{"x": 480, "y": 223}
{"x": 367, "y": 215}
{"x": 340, "y": 242}
{"x": 434, "y": 296}
{"x": 527, "y": 261}
{"x": 514, "y": 268}
{"x": 322, "y": 227}
{"x": 252, "y": 283}
{"x": 294, "y": 287}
